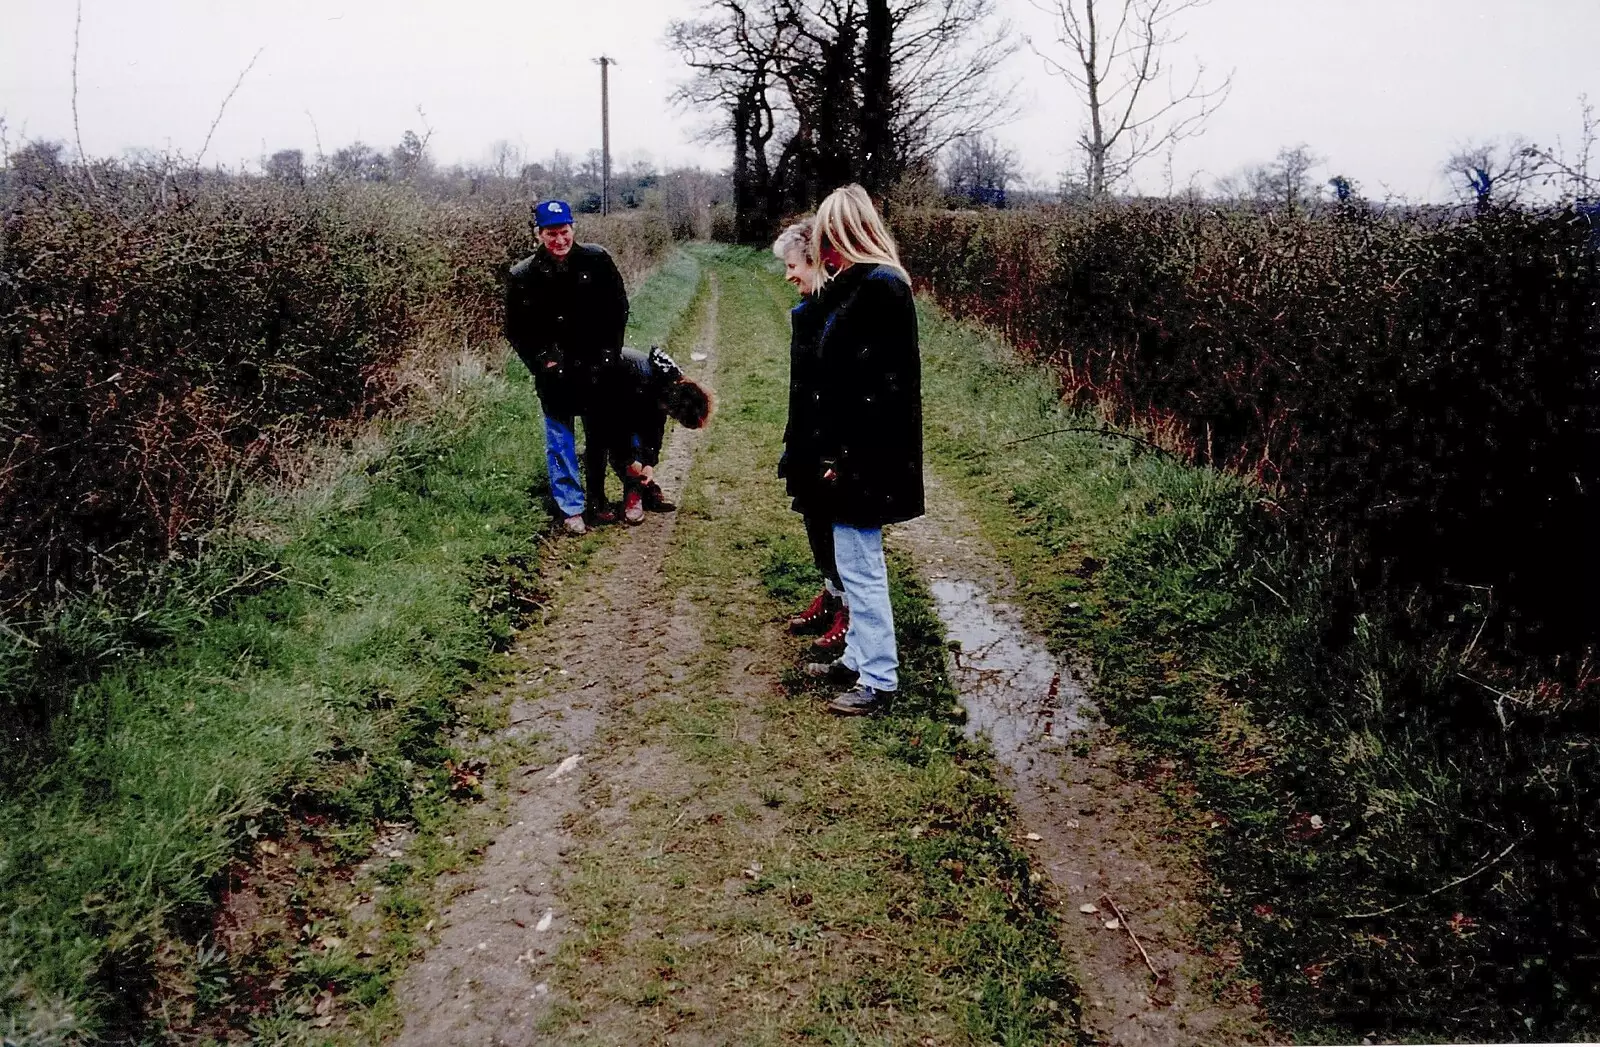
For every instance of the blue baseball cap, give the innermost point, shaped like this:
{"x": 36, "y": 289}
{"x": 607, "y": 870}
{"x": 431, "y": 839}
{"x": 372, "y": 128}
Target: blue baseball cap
{"x": 552, "y": 212}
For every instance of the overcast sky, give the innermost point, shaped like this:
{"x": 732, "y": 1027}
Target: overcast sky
{"x": 1384, "y": 89}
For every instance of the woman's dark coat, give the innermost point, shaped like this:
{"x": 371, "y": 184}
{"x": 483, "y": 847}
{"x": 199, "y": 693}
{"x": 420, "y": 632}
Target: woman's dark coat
{"x": 855, "y": 401}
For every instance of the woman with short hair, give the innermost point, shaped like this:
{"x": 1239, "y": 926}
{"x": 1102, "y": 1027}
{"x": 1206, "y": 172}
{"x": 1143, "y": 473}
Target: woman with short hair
{"x": 866, "y": 449}
{"x": 828, "y": 613}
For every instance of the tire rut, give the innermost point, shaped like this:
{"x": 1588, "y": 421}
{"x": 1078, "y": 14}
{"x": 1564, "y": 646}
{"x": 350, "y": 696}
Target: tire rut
{"x": 1095, "y": 832}
{"x": 617, "y": 636}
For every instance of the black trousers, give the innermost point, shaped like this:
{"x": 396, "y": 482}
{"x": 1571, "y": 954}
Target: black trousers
{"x": 819, "y": 532}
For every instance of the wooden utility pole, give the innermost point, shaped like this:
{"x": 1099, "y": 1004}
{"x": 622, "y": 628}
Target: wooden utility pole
{"x": 605, "y": 64}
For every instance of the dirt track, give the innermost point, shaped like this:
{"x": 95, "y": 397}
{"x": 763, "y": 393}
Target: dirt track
{"x": 575, "y": 928}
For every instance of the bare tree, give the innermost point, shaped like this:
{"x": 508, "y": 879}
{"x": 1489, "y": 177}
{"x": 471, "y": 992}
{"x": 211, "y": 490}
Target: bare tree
{"x": 816, "y": 93}
{"x": 1283, "y": 181}
{"x": 1492, "y": 172}
{"x": 286, "y": 165}
{"x": 737, "y": 53}
{"x": 978, "y": 169}
{"x": 1574, "y": 176}
{"x": 1114, "y": 54}
{"x": 505, "y": 158}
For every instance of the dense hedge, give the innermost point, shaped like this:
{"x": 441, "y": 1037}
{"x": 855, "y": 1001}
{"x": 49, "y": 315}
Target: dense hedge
{"x": 1422, "y": 387}
{"x": 162, "y": 339}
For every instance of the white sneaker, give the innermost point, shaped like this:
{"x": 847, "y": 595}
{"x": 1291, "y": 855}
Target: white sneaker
{"x": 575, "y": 525}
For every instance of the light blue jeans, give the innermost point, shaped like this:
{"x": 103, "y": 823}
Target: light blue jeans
{"x": 561, "y": 458}
{"x": 869, "y": 644}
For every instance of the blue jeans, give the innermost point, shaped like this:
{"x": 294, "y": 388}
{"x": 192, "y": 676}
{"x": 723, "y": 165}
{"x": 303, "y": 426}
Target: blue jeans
{"x": 561, "y": 457}
{"x": 869, "y": 645}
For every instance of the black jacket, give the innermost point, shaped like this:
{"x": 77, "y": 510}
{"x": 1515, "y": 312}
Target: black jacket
{"x": 801, "y": 454}
{"x": 566, "y": 319}
{"x": 633, "y": 404}
{"x": 855, "y": 402}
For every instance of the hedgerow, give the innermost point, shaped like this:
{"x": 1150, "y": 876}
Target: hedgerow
{"x": 1370, "y": 653}
{"x": 1420, "y": 387}
{"x": 166, "y": 338}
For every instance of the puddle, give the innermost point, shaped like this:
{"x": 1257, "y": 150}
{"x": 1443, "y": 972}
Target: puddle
{"x": 1017, "y": 694}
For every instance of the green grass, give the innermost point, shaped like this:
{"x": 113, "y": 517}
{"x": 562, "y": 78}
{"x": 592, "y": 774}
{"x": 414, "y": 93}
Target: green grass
{"x": 304, "y": 684}
{"x": 891, "y": 904}
{"x": 1338, "y": 760}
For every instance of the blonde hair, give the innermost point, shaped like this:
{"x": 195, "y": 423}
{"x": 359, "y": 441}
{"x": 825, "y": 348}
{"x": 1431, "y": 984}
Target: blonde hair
{"x": 796, "y": 238}
{"x": 848, "y": 223}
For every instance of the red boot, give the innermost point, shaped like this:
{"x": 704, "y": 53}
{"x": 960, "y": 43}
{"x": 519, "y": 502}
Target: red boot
{"x": 832, "y": 641}
{"x": 814, "y": 618}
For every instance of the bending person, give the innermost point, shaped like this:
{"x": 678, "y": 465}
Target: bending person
{"x": 640, "y": 394}
{"x": 566, "y": 311}
{"x": 829, "y": 612}
{"x": 867, "y": 452}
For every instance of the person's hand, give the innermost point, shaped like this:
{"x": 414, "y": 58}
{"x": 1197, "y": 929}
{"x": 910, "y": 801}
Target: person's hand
{"x": 649, "y": 474}
{"x": 830, "y": 475}
{"x": 637, "y": 471}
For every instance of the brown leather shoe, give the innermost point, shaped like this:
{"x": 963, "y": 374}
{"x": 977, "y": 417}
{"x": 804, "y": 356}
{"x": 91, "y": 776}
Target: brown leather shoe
{"x": 832, "y": 641}
{"x": 814, "y": 618}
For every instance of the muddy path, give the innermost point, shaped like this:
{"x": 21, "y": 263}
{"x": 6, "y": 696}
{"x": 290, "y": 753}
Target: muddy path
{"x": 617, "y": 635}
{"x": 703, "y": 855}
{"x": 1097, "y": 834}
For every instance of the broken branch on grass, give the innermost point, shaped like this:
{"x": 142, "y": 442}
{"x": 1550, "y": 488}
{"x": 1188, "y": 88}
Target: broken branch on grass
{"x": 1123, "y": 920}
{"x": 1500, "y": 697}
{"x": 1458, "y": 881}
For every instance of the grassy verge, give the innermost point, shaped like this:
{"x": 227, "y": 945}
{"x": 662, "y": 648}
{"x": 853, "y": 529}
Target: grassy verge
{"x": 272, "y": 707}
{"x": 1324, "y": 762}
{"x": 798, "y": 877}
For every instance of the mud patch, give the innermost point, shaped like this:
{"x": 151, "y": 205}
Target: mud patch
{"x": 1102, "y": 837}
{"x": 1018, "y": 695}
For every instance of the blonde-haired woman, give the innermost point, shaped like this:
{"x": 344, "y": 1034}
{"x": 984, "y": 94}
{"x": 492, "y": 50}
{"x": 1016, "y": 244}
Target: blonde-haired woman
{"x": 829, "y": 613}
{"x": 866, "y": 446}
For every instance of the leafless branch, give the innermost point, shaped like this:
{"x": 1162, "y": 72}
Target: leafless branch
{"x": 1111, "y": 71}
{"x": 77, "y": 133}
{"x": 1458, "y": 881}
{"x": 316, "y": 136}
{"x": 223, "y": 108}
{"x": 1123, "y": 921}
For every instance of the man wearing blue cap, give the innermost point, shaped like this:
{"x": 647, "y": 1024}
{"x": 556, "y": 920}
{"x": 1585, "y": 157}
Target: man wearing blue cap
{"x": 566, "y": 310}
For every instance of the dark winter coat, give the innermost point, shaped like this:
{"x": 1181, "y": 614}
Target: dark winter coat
{"x": 633, "y": 406}
{"x": 565, "y": 318}
{"x": 856, "y": 404}
{"x": 802, "y": 478}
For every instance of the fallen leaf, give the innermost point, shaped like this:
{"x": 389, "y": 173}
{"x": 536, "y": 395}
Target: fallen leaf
{"x": 1113, "y": 925}
{"x": 566, "y": 765}
{"x": 546, "y": 920}
{"x": 1089, "y": 908}
{"x": 267, "y": 847}
{"x": 699, "y": 357}
{"x": 1035, "y": 836}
